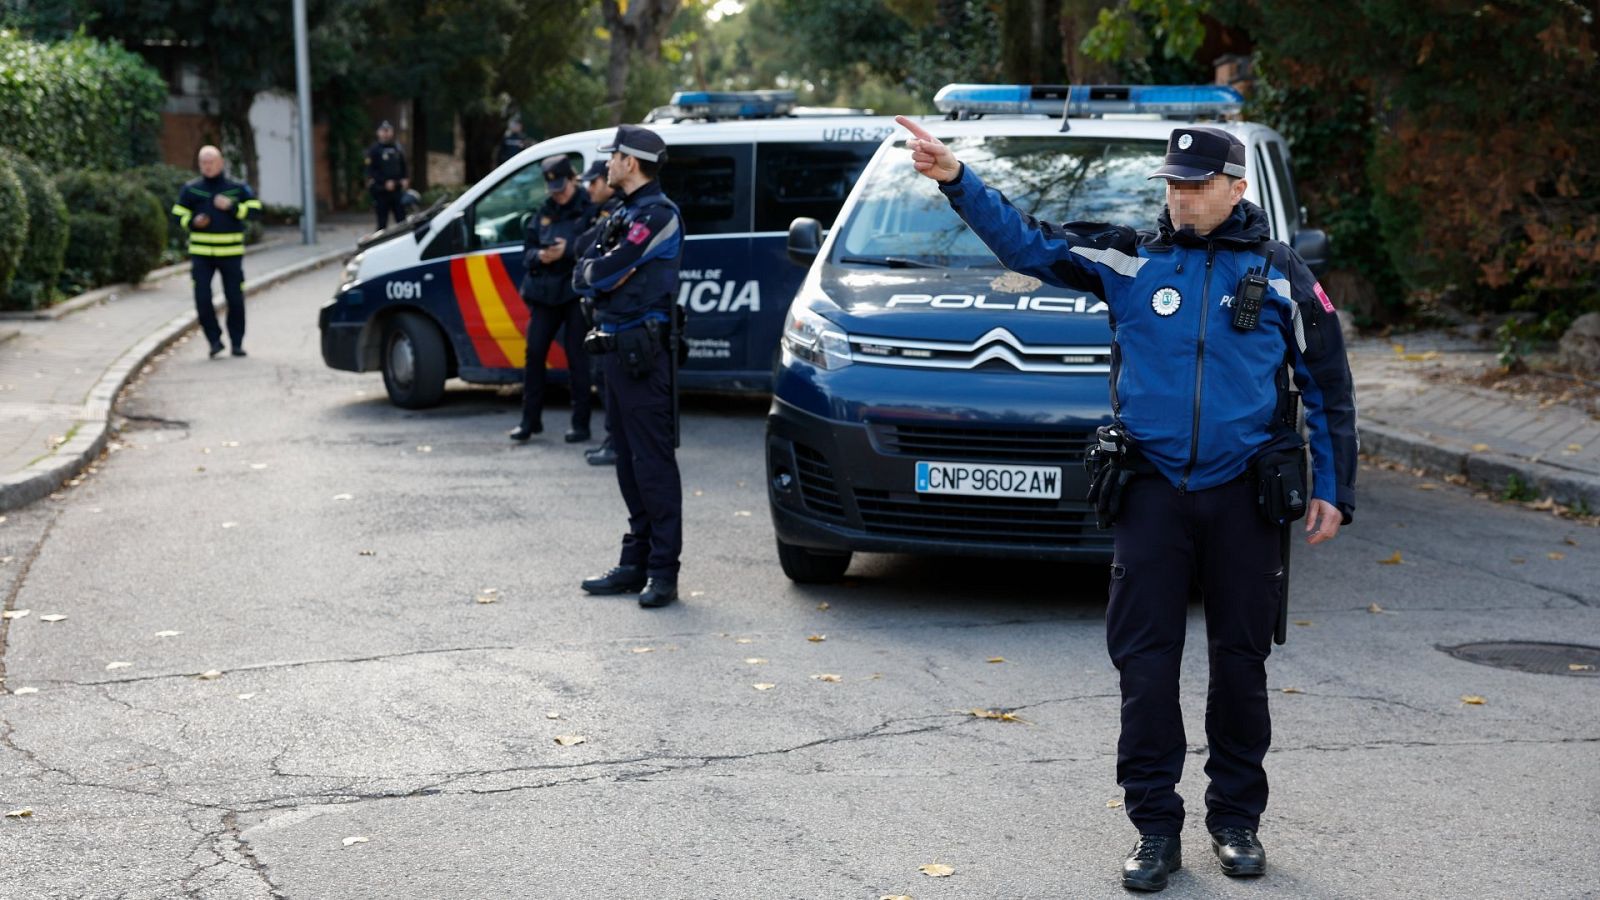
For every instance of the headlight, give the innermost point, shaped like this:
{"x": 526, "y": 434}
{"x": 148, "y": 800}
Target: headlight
{"x": 353, "y": 268}
{"x": 813, "y": 338}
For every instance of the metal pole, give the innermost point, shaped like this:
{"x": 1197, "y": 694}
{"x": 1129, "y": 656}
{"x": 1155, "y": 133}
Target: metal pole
{"x": 302, "y": 78}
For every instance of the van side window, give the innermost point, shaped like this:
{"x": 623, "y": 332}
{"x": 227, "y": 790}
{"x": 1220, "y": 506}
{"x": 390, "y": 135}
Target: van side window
{"x": 711, "y": 185}
{"x": 500, "y": 217}
{"x": 451, "y": 240}
{"x": 1280, "y": 168}
{"x": 811, "y": 179}
{"x": 1269, "y": 198}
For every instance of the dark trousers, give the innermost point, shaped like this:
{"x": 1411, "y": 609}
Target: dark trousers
{"x": 386, "y": 203}
{"x": 543, "y": 323}
{"x": 640, "y": 413}
{"x": 231, "y": 268}
{"x": 1164, "y": 540}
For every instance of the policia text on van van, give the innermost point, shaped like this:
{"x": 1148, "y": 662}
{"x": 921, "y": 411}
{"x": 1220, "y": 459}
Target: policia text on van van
{"x": 213, "y": 209}
{"x": 1200, "y": 394}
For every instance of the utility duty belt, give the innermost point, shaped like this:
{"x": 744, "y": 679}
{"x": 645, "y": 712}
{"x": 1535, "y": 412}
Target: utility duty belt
{"x": 637, "y": 345}
{"x": 1113, "y": 461}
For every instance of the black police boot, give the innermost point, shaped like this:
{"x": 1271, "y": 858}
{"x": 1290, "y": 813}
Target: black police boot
{"x": 216, "y": 347}
{"x": 239, "y": 351}
{"x": 659, "y": 592}
{"x": 603, "y": 455}
{"x": 525, "y": 430}
{"x": 620, "y": 580}
{"x": 576, "y": 435}
{"x": 1239, "y": 851}
{"x": 1154, "y": 858}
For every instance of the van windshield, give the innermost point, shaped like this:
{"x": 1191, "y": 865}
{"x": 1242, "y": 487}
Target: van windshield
{"x": 902, "y": 220}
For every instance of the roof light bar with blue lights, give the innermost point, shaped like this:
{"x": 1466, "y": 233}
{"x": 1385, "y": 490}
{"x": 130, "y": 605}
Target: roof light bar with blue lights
{"x": 1083, "y": 100}
{"x": 730, "y": 104}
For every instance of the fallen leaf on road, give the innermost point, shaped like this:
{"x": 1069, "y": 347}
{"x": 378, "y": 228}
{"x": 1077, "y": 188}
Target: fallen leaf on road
{"x": 258, "y": 466}
{"x": 1556, "y": 555}
{"x": 823, "y": 606}
{"x": 697, "y": 593}
{"x": 230, "y": 443}
{"x": 344, "y": 496}
{"x": 53, "y": 617}
{"x": 741, "y": 512}
{"x": 230, "y": 524}
{"x": 1292, "y": 691}
{"x": 16, "y": 613}
{"x": 358, "y": 839}
{"x": 27, "y": 690}
{"x": 245, "y": 696}
{"x": 1479, "y": 448}
{"x": 486, "y": 598}
{"x": 937, "y": 870}
{"x": 643, "y": 650}
{"x": 209, "y": 675}
{"x": 763, "y": 686}
{"x": 24, "y": 813}
{"x": 1569, "y": 542}
{"x": 113, "y": 666}
{"x": 996, "y": 659}
{"x": 699, "y": 493}
{"x": 754, "y": 660}
{"x": 369, "y": 553}
{"x": 744, "y": 640}
{"x": 1374, "y": 608}
{"x": 1472, "y": 700}
{"x": 1579, "y": 667}
{"x": 168, "y": 633}
{"x": 424, "y": 448}
{"x": 1427, "y": 486}
{"x": 570, "y": 740}
{"x": 1456, "y": 479}
{"x": 1113, "y": 804}
{"x": 1303, "y": 623}
{"x": 1394, "y": 560}
{"x": 830, "y": 678}
{"x": 999, "y": 715}
{"x": 817, "y": 638}
{"x": 895, "y": 897}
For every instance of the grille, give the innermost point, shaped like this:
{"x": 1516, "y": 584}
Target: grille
{"x": 1049, "y": 448}
{"x": 982, "y": 519}
{"x": 817, "y": 488}
{"x": 1531, "y": 656}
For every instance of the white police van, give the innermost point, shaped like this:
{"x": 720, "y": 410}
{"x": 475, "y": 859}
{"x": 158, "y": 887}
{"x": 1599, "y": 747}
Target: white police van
{"x": 927, "y": 400}
{"x": 436, "y": 297}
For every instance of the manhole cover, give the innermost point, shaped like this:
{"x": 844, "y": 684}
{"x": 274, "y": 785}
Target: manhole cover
{"x": 1531, "y": 656}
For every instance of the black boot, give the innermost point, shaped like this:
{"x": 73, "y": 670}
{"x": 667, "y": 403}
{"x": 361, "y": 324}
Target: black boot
{"x": 603, "y": 455}
{"x": 216, "y": 347}
{"x": 576, "y": 435}
{"x": 620, "y": 580}
{"x": 659, "y": 592}
{"x": 524, "y": 431}
{"x": 1152, "y": 859}
{"x": 1239, "y": 851}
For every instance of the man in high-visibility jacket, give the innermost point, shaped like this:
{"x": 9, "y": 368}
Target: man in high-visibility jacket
{"x": 213, "y": 209}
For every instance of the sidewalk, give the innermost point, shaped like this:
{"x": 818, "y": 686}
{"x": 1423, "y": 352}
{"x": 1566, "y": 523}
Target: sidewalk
{"x": 60, "y": 373}
{"x": 1449, "y": 428}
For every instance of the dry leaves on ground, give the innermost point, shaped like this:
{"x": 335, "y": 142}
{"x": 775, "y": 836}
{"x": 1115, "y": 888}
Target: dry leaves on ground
{"x": 999, "y": 715}
{"x": 209, "y": 675}
{"x": 53, "y": 617}
{"x": 995, "y": 659}
{"x": 1292, "y": 690}
{"x": 570, "y": 740}
{"x": 643, "y": 650}
{"x": 552, "y": 714}
{"x": 830, "y": 678}
{"x": 817, "y": 638}
{"x": 895, "y": 897}
{"x": 168, "y": 633}
{"x": 755, "y": 660}
{"x": 1579, "y": 667}
{"x": 356, "y": 839}
{"x": 1472, "y": 700}
{"x": 763, "y": 686}
{"x": 1394, "y": 560}
{"x": 823, "y": 606}
{"x": 1374, "y": 608}
{"x": 113, "y": 666}
{"x": 24, "y": 813}
{"x": 244, "y": 696}
{"x": 1556, "y": 555}
{"x": 1113, "y": 804}
{"x": 16, "y": 613}
{"x": 344, "y": 496}
{"x": 937, "y": 870}
{"x": 27, "y": 690}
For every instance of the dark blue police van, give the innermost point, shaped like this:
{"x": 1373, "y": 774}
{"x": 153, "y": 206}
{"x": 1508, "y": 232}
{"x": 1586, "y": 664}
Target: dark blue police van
{"x": 927, "y": 400}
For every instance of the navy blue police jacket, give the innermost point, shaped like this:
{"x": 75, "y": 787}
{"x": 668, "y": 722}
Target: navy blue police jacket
{"x": 550, "y": 284}
{"x": 1199, "y": 397}
{"x": 634, "y": 277}
{"x": 385, "y": 162}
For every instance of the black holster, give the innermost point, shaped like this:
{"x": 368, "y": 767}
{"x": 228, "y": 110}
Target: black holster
{"x": 1280, "y": 477}
{"x": 1112, "y": 461}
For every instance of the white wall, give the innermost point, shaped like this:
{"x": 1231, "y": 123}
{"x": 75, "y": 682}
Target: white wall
{"x": 275, "y": 120}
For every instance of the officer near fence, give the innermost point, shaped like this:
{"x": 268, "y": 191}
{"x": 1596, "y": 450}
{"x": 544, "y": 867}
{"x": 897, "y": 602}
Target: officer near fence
{"x": 605, "y": 202}
{"x": 213, "y": 209}
{"x": 548, "y": 257}
{"x": 1202, "y": 468}
{"x": 631, "y": 271}
{"x": 386, "y": 176}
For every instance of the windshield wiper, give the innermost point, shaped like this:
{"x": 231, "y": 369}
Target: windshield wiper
{"x": 893, "y": 262}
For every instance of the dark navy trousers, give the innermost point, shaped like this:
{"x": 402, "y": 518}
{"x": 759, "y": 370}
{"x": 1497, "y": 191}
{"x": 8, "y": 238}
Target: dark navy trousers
{"x": 639, "y": 412}
{"x": 231, "y": 268}
{"x": 1167, "y": 542}
{"x": 386, "y": 204}
{"x": 543, "y": 323}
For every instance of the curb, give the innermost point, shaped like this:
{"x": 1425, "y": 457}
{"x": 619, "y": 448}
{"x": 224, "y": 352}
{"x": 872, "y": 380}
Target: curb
{"x": 92, "y": 427}
{"x": 1446, "y": 456}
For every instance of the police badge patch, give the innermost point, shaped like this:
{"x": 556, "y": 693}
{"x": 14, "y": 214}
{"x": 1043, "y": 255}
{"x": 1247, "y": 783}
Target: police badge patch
{"x": 1166, "y": 301}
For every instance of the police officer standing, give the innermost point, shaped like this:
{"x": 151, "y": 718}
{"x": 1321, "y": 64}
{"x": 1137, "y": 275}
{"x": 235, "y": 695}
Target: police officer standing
{"x": 605, "y": 203}
{"x": 1207, "y": 315}
{"x": 513, "y": 142}
{"x": 632, "y": 274}
{"x": 548, "y": 254}
{"x": 213, "y": 209}
{"x": 386, "y": 176}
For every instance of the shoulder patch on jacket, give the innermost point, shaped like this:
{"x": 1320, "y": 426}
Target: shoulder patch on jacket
{"x": 639, "y": 233}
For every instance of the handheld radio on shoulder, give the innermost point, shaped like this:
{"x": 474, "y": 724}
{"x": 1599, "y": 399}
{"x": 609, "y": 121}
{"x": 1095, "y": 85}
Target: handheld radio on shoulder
{"x": 1247, "y": 299}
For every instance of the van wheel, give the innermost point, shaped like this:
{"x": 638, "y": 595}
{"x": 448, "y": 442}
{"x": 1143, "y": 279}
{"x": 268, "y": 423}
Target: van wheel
{"x": 806, "y": 566}
{"x": 414, "y": 361}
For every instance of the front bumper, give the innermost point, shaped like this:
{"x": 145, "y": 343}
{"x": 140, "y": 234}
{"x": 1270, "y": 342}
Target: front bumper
{"x": 341, "y": 341}
{"x": 835, "y": 485}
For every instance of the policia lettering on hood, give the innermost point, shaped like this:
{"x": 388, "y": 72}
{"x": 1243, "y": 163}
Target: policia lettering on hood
{"x": 1203, "y": 465}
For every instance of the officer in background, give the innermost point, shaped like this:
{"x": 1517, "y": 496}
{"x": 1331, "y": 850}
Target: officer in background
{"x": 513, "y": 142}
{"x": 632, "y": 274}
{"x": 213, "y": 210}
{"x": 386, "y": 176}
{"x": 548, "y": 254}
{"x": 1207, "y": 301}
{"x": 605, "y": 203}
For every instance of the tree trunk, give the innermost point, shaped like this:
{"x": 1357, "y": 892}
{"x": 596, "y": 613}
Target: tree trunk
{"x": 481, "y": 134}
{"x": 640, "y": 30}
{"x": 419, "y": 143}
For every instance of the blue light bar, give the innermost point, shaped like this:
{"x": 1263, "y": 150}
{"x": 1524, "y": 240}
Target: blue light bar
{"x": 1173, "y": 101}
{"x": 731, "y": 104}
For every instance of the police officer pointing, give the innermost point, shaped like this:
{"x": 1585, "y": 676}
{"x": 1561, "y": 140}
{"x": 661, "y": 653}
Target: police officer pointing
{"x": 1207, "y": 315}
{"x": 386, "y": 176}
{"x": 631, "y": 271}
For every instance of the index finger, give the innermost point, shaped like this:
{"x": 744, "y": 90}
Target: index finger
{"x": 917, "y": 131}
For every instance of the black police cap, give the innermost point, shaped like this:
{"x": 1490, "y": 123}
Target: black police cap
{"x": 636, "y": 141}
{"x": 557, "y": 169}
{"x": 597, "y": 169}
{"x": 1195, "y": 153}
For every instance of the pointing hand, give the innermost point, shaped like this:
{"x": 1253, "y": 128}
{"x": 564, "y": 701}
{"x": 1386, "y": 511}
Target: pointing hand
{"x": 929, "y": 154}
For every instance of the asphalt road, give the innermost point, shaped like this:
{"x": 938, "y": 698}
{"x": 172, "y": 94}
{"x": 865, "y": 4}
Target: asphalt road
{"x": 325, "y": 552}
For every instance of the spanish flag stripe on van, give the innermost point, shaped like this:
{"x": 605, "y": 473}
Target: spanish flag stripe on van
{"x": 496, "y": 319}
{"x": 489, "y": 353}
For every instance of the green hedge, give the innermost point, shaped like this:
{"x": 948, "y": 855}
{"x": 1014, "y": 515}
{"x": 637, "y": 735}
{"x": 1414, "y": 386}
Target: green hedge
{"x": 13, "y": 227}
{"x": 46, "y": 246}
{"x": 78, "y": 102}
{"x": 131, "y": 246}
{"x": 88, "y": 261}
{"x": 165, "y": 182}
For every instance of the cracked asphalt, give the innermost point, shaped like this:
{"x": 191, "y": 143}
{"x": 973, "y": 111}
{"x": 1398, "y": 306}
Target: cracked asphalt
{"x": 324, "y": 552}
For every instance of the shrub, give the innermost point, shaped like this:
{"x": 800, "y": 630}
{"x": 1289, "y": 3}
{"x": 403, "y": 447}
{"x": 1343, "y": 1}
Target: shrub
{"x": 89, "y": 260}
{"x": 166, "y": 182}
{"x": 46, "y": 243}
{"x": 132, "y": 243}
{"x": 13, "y": 227}
{"x": 78, "y": 102}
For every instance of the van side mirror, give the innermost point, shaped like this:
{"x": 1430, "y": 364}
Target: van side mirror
{"x": 805, "y": 240}
{"x": 1312, "y": 245}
